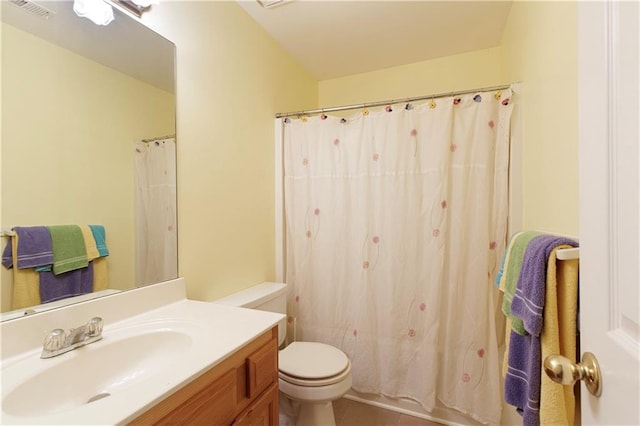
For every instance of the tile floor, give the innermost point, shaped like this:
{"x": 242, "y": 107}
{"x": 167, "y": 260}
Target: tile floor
{"x": 353, "y": 413}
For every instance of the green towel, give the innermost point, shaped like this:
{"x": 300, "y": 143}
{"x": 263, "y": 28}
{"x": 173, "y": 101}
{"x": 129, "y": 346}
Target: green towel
{"x": 517, "y": 248}
{"x": 69, "y": 251}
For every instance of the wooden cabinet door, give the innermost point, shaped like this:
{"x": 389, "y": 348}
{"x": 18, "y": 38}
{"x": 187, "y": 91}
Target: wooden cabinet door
{"x": 243, "y": 386}
{"x": 262, "y": 369}
{"x": 263, "y": 412}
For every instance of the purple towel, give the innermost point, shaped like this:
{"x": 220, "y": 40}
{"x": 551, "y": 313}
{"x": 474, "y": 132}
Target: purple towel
{"x": 7, "y": 255}
{"x": 522, "y": 383}
{"x": 34, "y": 248}
{"x": 528, "y": 300}
{"x": 68, "y": 284}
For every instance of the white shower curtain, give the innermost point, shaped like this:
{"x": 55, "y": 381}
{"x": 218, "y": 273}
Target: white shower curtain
{"x": 394, "y": 221}
{"x": 155, "y": 209}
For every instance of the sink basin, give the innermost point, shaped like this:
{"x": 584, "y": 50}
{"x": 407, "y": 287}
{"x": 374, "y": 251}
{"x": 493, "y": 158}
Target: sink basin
{"x": 123, "y": 358}
{"x": 146, "y": 355}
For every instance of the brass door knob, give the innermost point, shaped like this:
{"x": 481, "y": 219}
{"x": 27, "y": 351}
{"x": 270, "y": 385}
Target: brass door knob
{"x": 564, "y": 371}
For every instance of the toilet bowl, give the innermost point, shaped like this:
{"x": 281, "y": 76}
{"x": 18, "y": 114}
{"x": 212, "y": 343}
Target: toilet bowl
{"x": 314, "y": 374}
{"x": 311, "y": 373}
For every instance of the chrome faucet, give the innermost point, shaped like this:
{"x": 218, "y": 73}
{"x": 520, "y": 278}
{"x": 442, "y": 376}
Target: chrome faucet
{"x": 58, "y": 342}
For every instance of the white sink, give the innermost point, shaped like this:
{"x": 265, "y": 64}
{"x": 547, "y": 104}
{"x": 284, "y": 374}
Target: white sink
{"x": 123, "y": 358}
{"x": 144, "y": 355}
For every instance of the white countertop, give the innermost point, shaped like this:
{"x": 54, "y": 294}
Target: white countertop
{"x": 4, "y": 316}
{"x": 217, "y": 332}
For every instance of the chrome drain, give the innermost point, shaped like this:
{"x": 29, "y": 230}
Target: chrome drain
{"x": 98, "y": 396}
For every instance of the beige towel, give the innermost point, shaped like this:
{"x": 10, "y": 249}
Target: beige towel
{"x": 90, "y": 243}
{"x": 100, "y": 281}
{"x": 557, "y": 402}
{"x": 26, "y": 283}
{"x": 507, "y": 340}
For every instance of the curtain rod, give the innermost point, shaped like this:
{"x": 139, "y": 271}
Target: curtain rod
{"x": 158, "y": 138}
{"x": 394, "y": 101}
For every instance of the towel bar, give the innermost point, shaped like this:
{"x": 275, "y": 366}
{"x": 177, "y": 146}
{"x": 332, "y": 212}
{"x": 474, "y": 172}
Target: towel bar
{"x": 7, "y": 233}
{"x": 568, "y": 253}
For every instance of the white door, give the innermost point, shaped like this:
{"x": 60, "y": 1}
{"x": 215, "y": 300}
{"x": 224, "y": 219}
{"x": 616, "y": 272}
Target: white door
{"x": 609, "y": 120}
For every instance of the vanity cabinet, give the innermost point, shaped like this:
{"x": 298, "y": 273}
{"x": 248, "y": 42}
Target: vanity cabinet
{"x": 240, "y": 390}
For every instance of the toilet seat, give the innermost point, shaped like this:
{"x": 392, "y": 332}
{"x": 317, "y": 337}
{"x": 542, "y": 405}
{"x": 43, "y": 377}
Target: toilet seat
{"x": 316, "y": 382}
{"x": 313, "y": 364}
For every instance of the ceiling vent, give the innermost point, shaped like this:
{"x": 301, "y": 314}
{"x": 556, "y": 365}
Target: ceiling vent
{"x": 33, "y": 8}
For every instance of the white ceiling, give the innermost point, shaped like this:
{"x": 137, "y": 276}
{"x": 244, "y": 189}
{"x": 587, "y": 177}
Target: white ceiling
{"x": 330, "y": 38}
{"x": 334, "y": 38}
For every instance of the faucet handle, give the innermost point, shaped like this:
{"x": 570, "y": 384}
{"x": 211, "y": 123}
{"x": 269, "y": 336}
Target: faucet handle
{"x": 94, "y": 327}
{"x": 54, "y": 340}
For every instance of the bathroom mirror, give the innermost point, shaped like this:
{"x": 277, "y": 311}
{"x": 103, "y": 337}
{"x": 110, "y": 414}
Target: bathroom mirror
{"x": 79, "y": 102}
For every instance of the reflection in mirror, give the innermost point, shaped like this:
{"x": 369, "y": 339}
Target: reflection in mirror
{"x": 88, "y": 138}
{"x": 155, "y": 210}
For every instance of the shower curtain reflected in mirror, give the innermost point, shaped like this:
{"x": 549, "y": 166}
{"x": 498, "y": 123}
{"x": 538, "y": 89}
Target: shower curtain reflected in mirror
{"x": 394, "y": 218}
{"x": 155, "y": 208}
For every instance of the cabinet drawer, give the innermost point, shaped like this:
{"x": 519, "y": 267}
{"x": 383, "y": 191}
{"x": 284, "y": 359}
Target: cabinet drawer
{"x": 214, "y": 404}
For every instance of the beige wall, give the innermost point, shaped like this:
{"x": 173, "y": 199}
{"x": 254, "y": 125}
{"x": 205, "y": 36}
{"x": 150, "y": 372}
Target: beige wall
{"x": 232, "y": 79}
{"x": 68, "y": 127}
{"x": 458, "y": 72}
{"x": 540, "y": 49}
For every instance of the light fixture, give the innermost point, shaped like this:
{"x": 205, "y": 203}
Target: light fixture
{"x": 268, "y": 4}
{"x": 99, "y": 12}
{"x": 136, "y": 7}
{"x": 145, "y": 3}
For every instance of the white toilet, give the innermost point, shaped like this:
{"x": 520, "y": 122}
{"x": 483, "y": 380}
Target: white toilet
{"x": 313, "y": 374}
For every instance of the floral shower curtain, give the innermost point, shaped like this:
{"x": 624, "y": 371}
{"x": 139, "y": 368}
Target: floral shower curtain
{"x": 155, "y": 209}
{"x": 394, "y": 221}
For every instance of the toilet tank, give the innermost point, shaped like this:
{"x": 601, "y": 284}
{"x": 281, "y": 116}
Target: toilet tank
{"x": 267, "y": 296}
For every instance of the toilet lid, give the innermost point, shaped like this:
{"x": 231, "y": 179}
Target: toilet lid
{"x": 312, "y": 360}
